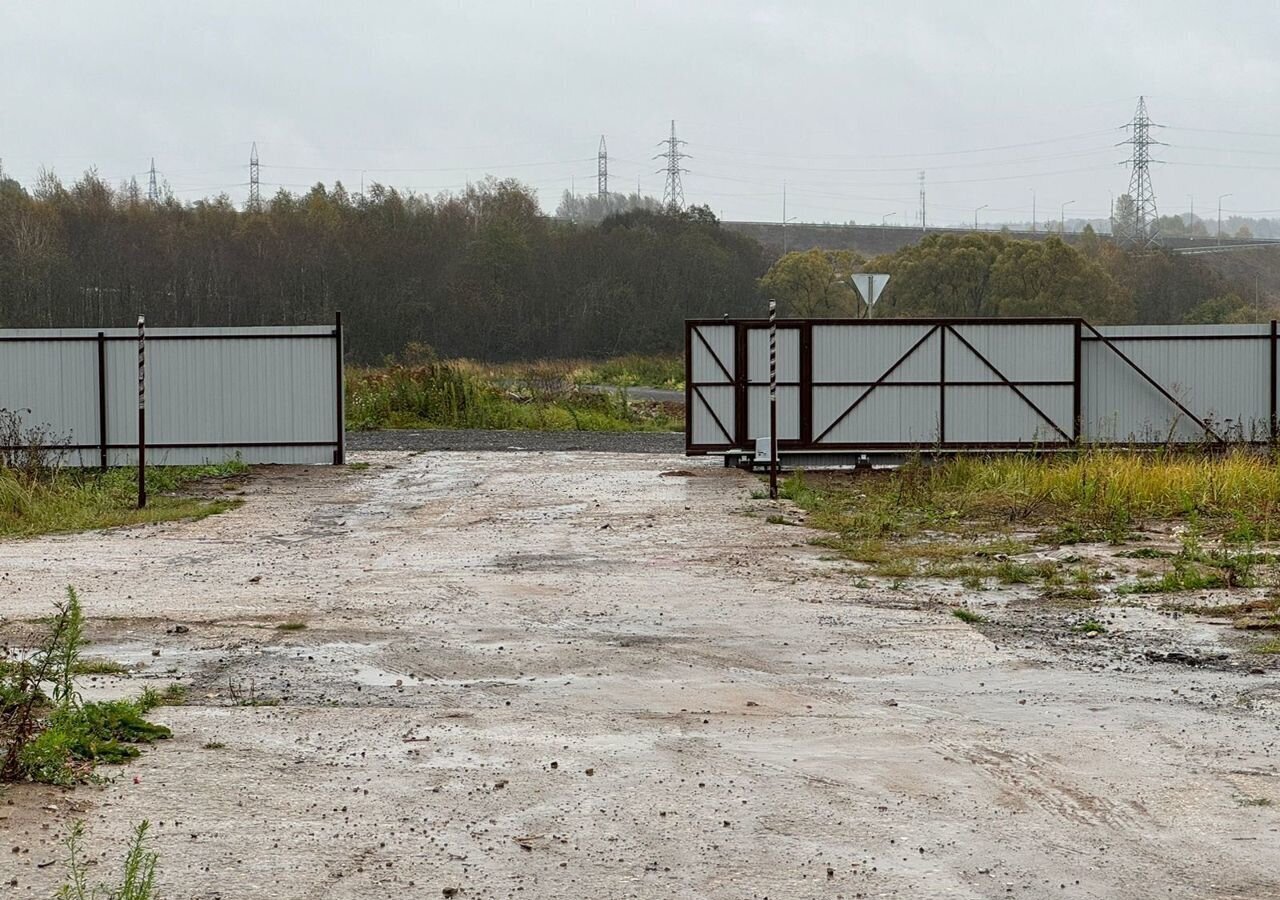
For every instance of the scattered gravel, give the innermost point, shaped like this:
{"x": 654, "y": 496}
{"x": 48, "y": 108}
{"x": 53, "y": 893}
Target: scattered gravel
{"x": 445, "y": 439}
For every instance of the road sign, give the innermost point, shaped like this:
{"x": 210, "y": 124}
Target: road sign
{"x": 870, "y": 285}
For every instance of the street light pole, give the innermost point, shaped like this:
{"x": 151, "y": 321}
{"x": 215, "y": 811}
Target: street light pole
{"x": 1033, "y": 210}
{"x": 884, "y": 220}
{"x": 975, "y": 215}
{"x": 1221, "y": 197}
{"x": 785, "y": 220}
{"x": 1062, "y": 217}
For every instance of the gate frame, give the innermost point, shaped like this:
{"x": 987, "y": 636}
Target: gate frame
{"x": 807, "y": 442}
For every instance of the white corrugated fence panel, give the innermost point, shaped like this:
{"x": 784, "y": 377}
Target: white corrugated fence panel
{"x": 863, "y": 353}
{"x": 275, "y": 389}
{"x": 1223, "y": 382}
{"x": 895, "y": 414}
{"x": 711, "y": 415}
{"x": 758, "y": 355}
{"x": 52, "y": 385}
{"x": 1020, "y": 352}
{"x": 788, "y": 412}
{"x": 713, "y": 355}
{"x": 997, "y": 415}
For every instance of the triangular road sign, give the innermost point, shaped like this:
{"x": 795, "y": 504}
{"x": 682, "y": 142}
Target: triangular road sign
{"x": 870, "y": 285}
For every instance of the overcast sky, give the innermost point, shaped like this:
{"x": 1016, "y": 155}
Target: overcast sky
{"x": 843, "y": 101}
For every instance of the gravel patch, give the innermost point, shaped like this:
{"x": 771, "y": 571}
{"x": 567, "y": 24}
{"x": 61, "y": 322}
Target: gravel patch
{"x": 470, "y": 441}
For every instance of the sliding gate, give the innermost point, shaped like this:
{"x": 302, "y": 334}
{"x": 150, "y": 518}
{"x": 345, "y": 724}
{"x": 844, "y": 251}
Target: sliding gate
{"x": 973, "y": 384}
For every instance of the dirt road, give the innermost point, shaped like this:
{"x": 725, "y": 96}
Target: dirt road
{"x": 572, "y": 676}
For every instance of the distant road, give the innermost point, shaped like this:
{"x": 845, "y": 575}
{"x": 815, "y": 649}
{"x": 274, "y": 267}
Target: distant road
{"x": 656, "y": 395}
{"x": 671, "y": 442}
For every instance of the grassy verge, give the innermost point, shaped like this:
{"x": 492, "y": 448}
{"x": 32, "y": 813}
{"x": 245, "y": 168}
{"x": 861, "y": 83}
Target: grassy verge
{"x": 58, "y": 500}
{"x": 463, "y": 394}
{"x": 634, "y": 371}
{"x": 47, "y": 732}
{"x": 965, "y": 516}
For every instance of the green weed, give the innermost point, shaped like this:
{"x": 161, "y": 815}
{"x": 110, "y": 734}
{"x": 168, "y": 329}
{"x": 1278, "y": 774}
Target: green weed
{"x": 55, "y": 737}
{"x": 1146, "y": 553}
{"x": 968, "y": 616}
{"x": 137, "y": 880}
{"x": 173, "y": 695}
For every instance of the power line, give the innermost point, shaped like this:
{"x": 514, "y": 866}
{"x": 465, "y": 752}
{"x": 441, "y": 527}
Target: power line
{"x": 673, "y": 192}
{"x": 1057, "y": 140}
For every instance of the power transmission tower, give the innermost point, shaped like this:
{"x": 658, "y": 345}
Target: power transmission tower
{"x": 602, "y": 172}
{"x": 673, "y": 193}
{"x": 153, "y": 192}
{"x": 255, "y": 198}
{"x": 922, "y": 205}
{"x": 1142, "y": 232}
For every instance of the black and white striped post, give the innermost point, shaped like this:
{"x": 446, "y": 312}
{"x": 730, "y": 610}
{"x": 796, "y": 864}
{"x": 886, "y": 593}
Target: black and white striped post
{"x": 142, "y": 412}
{"x": 773, "y": 399}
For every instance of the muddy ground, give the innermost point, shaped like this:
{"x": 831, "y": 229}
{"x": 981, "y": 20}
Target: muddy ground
{"x": 575, "y": 675}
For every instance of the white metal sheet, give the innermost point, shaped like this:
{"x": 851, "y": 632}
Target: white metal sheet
{"x": 864, "y": 353}
{"x": 788, "y": 354}
{"x": 788, "y": 412}
{"x": 712, "y": 352}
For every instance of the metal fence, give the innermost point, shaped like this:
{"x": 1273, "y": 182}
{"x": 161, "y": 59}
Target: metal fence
{"x": 869, "y": 385}
{"x": 264, "y": 395}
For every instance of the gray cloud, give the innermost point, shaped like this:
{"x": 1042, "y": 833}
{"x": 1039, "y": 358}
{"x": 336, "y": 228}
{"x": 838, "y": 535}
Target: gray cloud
{"x": 843, "y": 101}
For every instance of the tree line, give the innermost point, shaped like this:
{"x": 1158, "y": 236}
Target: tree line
{"x": 990, "y": 274}
{"x": 483, "y": 273}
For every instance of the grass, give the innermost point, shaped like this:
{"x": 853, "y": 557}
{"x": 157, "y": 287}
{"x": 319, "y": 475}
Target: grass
{"x": 968, "y": 616}
{"x": 1089, "y": 626}
{"x": 63, "y": 500}
{"x": 173, "y": 695}
{"x": 95, "y": 666}
{"x": 1271, "y": 646}
{"x": 463, "y": 394}
{"x": 634, "y": 370}
{"x": 901, "y": 522}
{"x": 291, "y": 626}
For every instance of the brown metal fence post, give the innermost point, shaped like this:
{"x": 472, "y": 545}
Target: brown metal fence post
{"x": 142, "y": 412}
{"x": 1272, "y": 387}
{"x": 1077, "y": 391}
{"x": 340, "y": 450}
{"x": 102, "y": 401}
{"x": 942, "y": 387}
